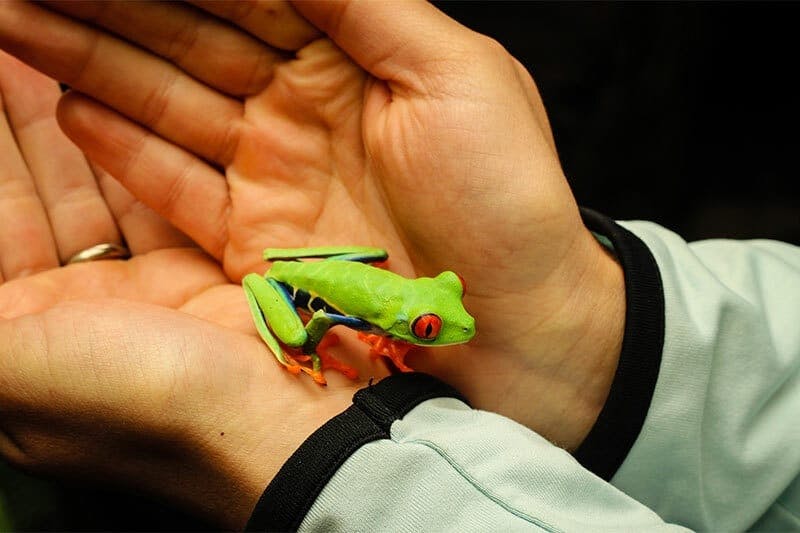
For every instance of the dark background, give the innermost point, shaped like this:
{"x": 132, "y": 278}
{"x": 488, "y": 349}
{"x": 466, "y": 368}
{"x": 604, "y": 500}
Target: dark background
{"x": 683, "y": 114}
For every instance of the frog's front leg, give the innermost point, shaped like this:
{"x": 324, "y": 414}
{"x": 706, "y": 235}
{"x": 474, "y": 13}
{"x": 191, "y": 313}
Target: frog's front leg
{"x": 317, "y": 343}
{"x": 394, "y": 349}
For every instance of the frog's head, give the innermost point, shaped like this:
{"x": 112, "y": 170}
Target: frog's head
{"x": 433, "y": 313}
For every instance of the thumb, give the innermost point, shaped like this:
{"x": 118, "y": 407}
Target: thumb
{"x": 388, "y": 39}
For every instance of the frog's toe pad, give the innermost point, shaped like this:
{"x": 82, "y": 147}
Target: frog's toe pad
{"x": 316, "y": 375}
{"x": 293, "y": 369}
{"x": 291, "y": 364}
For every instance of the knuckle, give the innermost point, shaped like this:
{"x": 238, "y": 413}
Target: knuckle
{"x": 156, "y": 100}
{"x": 228, "y": 143}
{"x": 490, "y": 51}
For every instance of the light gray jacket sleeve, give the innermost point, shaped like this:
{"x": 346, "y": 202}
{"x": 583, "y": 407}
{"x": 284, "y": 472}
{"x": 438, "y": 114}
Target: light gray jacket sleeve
{"x": 446, "y": 466}
{"x": 411, "y": 455}
{"x": 720, "y": 446}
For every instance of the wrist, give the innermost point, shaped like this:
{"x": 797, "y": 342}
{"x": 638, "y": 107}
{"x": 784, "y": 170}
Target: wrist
{"x": 566, "y": 362}
{"x": 259, "y": 416}
{"x": 564, "y": 365}
{"x": 595, "y": 314}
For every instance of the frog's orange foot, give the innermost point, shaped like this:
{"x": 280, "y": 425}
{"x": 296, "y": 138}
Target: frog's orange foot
{"x": 294, "y": 358}
{"x": 292, "y": 365}
{"x": 395, "y": 350}
{"x": 316, "y": 375}
{"x": 329, "y": 361}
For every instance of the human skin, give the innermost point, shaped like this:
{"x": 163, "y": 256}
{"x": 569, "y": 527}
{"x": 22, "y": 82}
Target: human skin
{"x": 122, "y": 371}
{"x": 371, "y": 123}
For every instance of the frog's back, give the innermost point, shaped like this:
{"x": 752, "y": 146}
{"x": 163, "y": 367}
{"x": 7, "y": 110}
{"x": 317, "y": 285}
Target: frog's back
{"x": 353, "y": 288}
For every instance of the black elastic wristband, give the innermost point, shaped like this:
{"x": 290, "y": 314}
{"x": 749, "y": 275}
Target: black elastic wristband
{"x": 621, "y": 420}
{"x": 292, "y": 492}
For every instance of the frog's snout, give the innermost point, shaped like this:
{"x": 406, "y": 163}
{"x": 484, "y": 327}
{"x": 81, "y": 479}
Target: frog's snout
{"x": 469, "y": 328}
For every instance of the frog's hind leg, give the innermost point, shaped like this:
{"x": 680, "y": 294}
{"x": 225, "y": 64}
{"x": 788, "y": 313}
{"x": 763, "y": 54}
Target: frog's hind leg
{"x": 362, "y": 254}
{"x": 274, "y": 311}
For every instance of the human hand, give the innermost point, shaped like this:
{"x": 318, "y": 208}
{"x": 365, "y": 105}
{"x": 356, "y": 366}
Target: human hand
{"x": 141, "y": 372}
{"x": 155, "y": 400}
{"x": 410, "y": 132}
{"x": 54, "y": 205}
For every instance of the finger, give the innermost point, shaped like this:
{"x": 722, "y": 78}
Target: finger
{"x": 78, "y": 215}
{"x": 26, "y": 242}
{"x": 212, "y": 51}
{"x": 168, "y": 278}
{"x": 174, "y": 183}
{"x": 144, "y": 230}
{"x": 394, "y": 41}
{"x": 143, "y": 87}
{"x": 273, "y": 21}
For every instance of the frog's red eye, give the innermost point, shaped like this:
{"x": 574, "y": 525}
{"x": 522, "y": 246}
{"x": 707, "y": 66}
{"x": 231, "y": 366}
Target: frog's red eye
{"x": 426, "y": 327}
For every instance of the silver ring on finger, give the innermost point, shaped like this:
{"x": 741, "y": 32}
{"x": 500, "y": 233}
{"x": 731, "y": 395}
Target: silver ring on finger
{"x": 98, "y": 252}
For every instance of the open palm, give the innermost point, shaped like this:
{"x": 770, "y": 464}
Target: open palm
{"x": 396, "y": 127}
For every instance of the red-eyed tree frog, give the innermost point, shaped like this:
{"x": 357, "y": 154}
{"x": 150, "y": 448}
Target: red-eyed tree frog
{"x": 390, "y": 312}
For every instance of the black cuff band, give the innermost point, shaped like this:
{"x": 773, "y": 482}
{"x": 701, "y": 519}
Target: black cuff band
{"x": 292, "y": 492}
{"x": 623, "y": 415}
